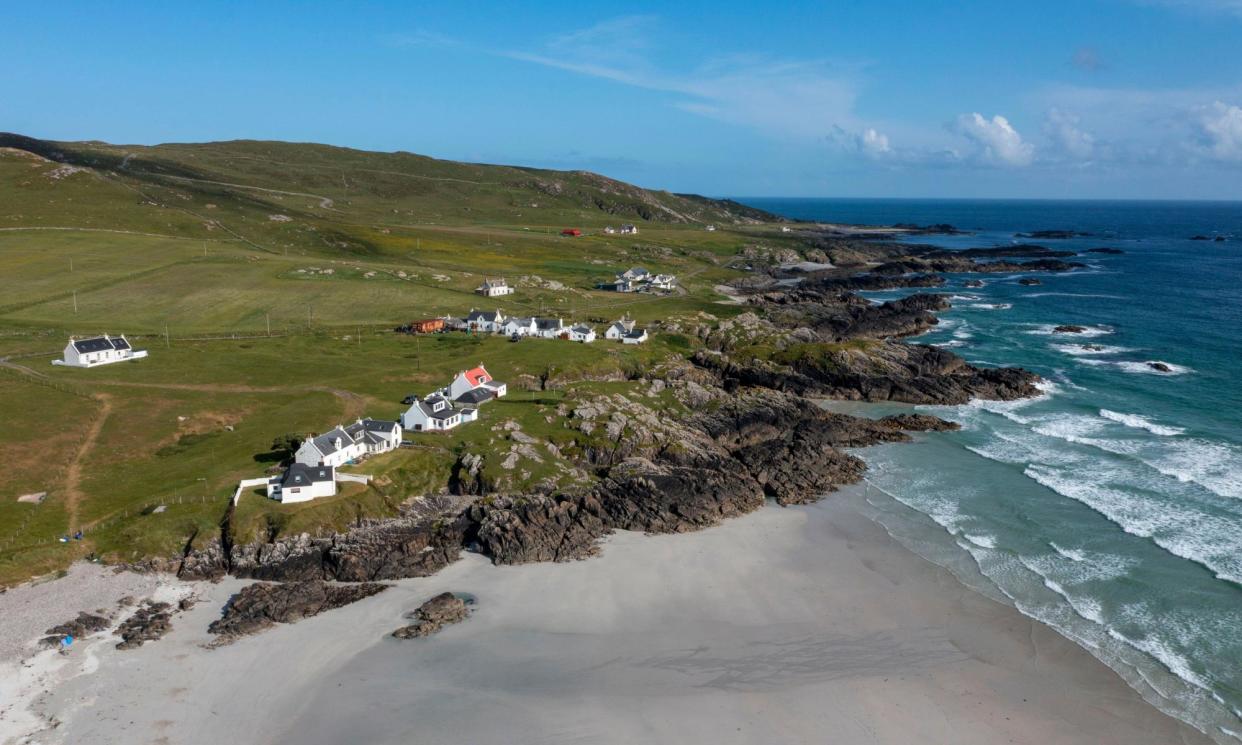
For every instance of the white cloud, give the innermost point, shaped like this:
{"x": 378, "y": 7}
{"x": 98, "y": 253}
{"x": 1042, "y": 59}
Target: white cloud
{"x": 1065, "y": 131}
{"x": 997, "y": 141}
{"x": 780, "y": 98}
{"x": 874, "y": 143}
{"x": 1222, "y": 127}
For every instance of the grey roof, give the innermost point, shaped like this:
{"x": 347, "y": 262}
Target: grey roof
{"x": 326, "y": 443}
{"x": 99, "y": 344}
{"x": 475, "y": 396}
{"x": 636, "y": 334}
{"x": 582, "y": 329}
{"x": 378, "y": 425}
{"x": 300, "y": 474}
{"x": 483, "y": 315}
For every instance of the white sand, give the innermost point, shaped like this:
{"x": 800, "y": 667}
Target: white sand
{"x": 805, "y": 625}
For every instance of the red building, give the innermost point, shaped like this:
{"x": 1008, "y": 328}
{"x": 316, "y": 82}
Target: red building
{"x": 571, "y": 232}
{"x": 427, "y": 326}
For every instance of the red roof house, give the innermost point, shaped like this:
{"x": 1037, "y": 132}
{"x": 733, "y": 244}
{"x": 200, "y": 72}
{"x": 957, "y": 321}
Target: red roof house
{"x": 572, "y": 232}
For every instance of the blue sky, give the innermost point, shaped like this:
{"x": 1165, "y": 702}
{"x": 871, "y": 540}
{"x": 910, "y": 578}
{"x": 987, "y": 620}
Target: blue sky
{"x": 1085, "y": 98}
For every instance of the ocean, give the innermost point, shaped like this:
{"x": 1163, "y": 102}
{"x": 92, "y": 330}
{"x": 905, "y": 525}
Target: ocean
{"x": 1110, "y": 508}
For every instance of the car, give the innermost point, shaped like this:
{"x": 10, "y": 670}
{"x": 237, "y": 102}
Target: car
{"x": 515, "y": 337}
{"x": 409, "y": 399}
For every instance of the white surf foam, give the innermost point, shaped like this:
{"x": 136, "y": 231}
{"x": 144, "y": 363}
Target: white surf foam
{"x": 1047, "y": 329}
{"x": 1083, "y": 350}
{"x": 1139, "y": 368}
{"x": 1141, "y": 422}
{"x": 988, "y": 306}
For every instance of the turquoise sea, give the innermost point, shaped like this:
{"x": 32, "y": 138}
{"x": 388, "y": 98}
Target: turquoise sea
{"x": 1110, "y": 507}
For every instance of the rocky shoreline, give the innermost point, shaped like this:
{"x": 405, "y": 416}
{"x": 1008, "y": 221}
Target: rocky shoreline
{"x": 755, "y": 434}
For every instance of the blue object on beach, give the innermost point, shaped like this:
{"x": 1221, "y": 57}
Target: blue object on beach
{"x": 66, "y": 641}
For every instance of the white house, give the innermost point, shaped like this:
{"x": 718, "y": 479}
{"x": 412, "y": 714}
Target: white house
{"x": 786, "y": 229}
{"x": 610, "y": 230}
{"x": 637, "y": 336}
{"x": 302, "y": 483}
{"x": 628, "y": 229}
{"x": 549, "y": 328}
{"x": 343, "y": 444}
{"x": 662, "y": 282}
{"x": 494, "y": 288}
{"x": 634, "y": 274}
{"x": 99, "y": 350}
{"x": 469, "y": 380}
{"x": 584, "y": 334}
{"x": 519, "y": 327}
{"x": 488, "y": 321}
{"x": 433, "y": 413}
{"x": 710, "y": 228}
{"x": 618, "y": 329}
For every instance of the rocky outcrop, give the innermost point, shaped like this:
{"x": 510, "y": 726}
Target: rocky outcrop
{"x": 1054, "y": 234}
{"x": 958, "y": 263}
{"x": 517, "y": 530}
{"x": 1105, "y": 250}
{"x": 150, "y": 622}
{"x": 262, "y": 604}
{"x": 443, "y": 610}
{"x": 1069, "y": 328}
{"x": 1029, "y": 281}
{"x": 425, "y": 538}
{"x": 82, "y": 626}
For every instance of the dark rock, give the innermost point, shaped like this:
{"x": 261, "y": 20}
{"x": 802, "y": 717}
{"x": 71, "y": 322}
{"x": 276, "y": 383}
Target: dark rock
{"x": 919, "y": 423}
{"x": 1019, "y": 250}
{"x": 1029, "y": 282}
{"x": 1199, "y": 238}
{"x": 263, "y": 604}
{"x": 443, "y": 610}
{"x": 517, "y": 530}
{"x": 1160, "y": 366}
{"x": 150, "y": 622}
{"x": 1219, "y": 239}
{"x": 1105, "y": 251}
{"x": 82, "y": 626}
{"x": 1069, "y": 328}
{"x": 973, "y": 283}
{"x": 1054, "y": 234}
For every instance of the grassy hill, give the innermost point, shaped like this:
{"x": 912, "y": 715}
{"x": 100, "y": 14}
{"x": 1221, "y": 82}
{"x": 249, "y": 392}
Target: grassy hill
{"x": 265, "y": 279}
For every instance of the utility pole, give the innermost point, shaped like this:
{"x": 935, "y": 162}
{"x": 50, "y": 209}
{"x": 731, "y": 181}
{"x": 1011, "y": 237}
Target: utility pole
{"x": 267, "y": 317}
{"x": 309, "y": 317}
{"x": 71, "y": 263}
{"x": 75, "y": 302}
{"x": 418, "y": 353}
{"x": 167, "y": 342}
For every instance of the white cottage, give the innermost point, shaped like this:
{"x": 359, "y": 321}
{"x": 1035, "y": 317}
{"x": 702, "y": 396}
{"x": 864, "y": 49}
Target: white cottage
{"x": 487, "y": 321}
{"x": 519, "y": 327}
{"x": 302, "y": 483}
{"x": 343, "y": 444}
{"x": 431, "y": 414}
{"x": 584, "y": 334}
{"x": 549, "y": 328}
{"x": 469, "y": 380}
{"x": 98, "y": 350}
{"x": 618, "y": 329}
{"x": 494, "y": 288}
{"x": 637, "y": 336}
{"x": 662, "y": 282}
{"x": 628, "y": 229}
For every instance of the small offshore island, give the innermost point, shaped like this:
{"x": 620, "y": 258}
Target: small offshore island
{"x": 778, "y": 627}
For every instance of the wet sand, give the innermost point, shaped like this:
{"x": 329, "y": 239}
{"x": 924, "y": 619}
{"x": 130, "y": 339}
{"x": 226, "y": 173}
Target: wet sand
{"x": 800, "y": 625}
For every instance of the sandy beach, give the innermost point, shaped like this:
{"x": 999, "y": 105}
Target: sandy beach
{"x": 791, "y": 625}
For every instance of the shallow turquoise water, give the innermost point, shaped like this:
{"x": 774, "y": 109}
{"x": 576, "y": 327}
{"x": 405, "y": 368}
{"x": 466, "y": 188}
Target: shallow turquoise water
{"x": 1111, "y": 507}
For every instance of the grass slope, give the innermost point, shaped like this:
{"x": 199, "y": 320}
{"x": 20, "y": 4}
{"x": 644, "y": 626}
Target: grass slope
{"x": 265, "y": 279}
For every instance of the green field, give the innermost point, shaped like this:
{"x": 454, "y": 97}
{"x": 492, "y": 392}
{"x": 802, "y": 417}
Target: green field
{"x": 259, "y": 326}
